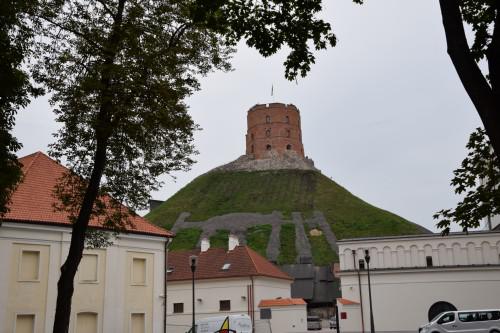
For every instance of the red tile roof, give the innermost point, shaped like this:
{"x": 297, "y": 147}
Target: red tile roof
{"x": 244, "y": 262}
{"x": 268, "y": 303}
{"x": 33, "y": 200}
{"x": 345, "y": 301}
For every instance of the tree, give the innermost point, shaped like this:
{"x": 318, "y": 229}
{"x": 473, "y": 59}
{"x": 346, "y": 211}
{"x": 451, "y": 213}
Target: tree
{"x": 119, "y": 72}
{"x": 483, "y": 89}
{"x": 479, "y": 179}
{"x": 15, "y": 90}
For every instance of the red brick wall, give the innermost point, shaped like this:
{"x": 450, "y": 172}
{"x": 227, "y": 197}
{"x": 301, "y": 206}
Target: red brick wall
{"x": 276, "y": 125}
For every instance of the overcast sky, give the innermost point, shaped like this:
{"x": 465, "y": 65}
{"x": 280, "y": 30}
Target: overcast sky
{"x": 383, "y": 113}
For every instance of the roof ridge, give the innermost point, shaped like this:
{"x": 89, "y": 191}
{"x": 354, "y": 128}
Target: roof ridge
{"x": 37, "y": 154}
{"x": 251, "y": 258}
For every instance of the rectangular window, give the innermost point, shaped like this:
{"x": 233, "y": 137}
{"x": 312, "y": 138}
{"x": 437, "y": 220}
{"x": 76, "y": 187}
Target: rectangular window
{"x": 87, "y": 271}
{"x": 86, "y": 322}
{"x": 265, "y": 314}
{"x": 25, "y": 323}
{"x": 138, "y": 271}
{"x": 30, "y": 265}
{"x": 225, "y": 305}
{"x": 178, "y": 307}
{"x": 137, "y": 323}
{"x": 428, "y": 261}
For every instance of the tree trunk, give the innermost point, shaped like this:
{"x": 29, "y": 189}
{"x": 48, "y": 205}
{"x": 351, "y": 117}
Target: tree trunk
{"x": 103, "y": 128}
{"x": 68, "y": 270}
{"x": 484, "y": 97}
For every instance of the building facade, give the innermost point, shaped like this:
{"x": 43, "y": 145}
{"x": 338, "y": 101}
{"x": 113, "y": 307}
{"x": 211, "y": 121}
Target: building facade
{"x": 414, "y": 278}
{"x": 232, "y": 281}
{"x": 273, "y": 129}
{"x": 119, "y": 288}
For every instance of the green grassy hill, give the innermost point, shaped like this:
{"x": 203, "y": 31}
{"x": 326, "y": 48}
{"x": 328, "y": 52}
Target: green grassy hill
{"x": 219, "y": 193}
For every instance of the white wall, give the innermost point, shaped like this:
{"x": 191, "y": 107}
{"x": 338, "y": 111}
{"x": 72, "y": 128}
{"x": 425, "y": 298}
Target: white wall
{"x": 402, "y": 296}
{"x": 106, "y": 296}
{"x": 289, "y": 319}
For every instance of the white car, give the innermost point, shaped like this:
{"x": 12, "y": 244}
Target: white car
{"x": 477, "y": 321}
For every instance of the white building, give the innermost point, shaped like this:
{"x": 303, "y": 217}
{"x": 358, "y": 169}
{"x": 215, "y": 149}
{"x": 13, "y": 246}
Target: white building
{"x": 233, "y": 281}
{"x": 414, "y": 278}
{"x": 117, "y": 289}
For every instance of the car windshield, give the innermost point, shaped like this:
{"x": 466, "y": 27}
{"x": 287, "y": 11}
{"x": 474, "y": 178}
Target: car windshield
{"x": 438, "y": 316}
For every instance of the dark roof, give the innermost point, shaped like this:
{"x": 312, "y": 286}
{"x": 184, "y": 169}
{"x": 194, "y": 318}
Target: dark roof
{"x": 243, "y": 262}
{"x": 33, "y": 200}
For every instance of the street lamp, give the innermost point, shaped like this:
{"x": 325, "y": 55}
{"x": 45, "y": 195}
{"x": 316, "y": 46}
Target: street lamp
{"x": 367, "y": 259}
{"x": 193, "y": 261}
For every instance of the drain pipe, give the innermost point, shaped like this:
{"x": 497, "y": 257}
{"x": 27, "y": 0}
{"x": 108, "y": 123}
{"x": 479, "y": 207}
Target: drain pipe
{"x": 360, "y": 294}
{"x": 167, "y": 243}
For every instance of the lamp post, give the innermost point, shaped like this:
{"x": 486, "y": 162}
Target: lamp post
{"x": 193, "y": 261}
{"x": 367, "y": 259}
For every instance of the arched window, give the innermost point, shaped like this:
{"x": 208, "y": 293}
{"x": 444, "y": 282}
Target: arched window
{"x": 438, "y": 308}
{"x": 287, "y": 133}
{"x": 251, "y": 149}
{"x": 268, "y": 147}
{"x": 268, "y": 119}
{"x": 288, "y": 147}
{"x": 287, "y": 119}
{"x": 268, "y": 133}
{"x": 251, "y": 136}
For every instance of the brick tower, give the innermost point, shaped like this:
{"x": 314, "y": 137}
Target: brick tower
{"x": 272, "y": 130}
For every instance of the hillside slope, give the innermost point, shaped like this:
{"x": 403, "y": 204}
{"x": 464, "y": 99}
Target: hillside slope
{"x": 287, "y": 191}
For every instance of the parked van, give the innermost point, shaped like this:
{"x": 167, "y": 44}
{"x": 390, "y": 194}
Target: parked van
{"x": 478, "y": 321}
{"x": 225, "y": 324}
{"x": 313, "y": 323}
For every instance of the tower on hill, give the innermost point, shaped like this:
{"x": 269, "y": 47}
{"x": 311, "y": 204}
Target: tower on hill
{"x": 272, "y": 130}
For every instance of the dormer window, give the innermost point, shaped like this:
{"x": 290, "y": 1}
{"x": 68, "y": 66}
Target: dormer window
{"x": 226, "y": 267}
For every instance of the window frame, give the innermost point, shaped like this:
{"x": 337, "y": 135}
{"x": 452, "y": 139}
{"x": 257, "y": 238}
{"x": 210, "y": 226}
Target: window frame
{"x": 135, "y": 313}
{"x": 221, "y": 302}
{"x": 96, "y": 281}
{"x": 132, "y": 281}
{"x": 173, "y": 307}
{"x": 20, "y": 264}
{"x": 429, "y": 262}
{"x": 266, "y": 311}
{"x": 16, "y": 314}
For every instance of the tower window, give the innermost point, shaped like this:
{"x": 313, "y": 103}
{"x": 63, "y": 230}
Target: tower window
{"x": 251, "y": 136}
{"x": 287, "y": 119}
{"x": 251, "y": 149}
{"x": 268, "y": 119}
{"x": 288, "y": 147}
{"x": 268, "y": 133}
{"x": 268, "y": 147}
{"x": 287, "y": 133}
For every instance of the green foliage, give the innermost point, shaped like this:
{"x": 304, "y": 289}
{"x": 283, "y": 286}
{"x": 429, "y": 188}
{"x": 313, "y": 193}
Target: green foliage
{"x": 185, "y": 239}
{"x": 220, "y": 239}
{"x": 15, "y": 89}
{"x": 480, "y": 16}
{"x": 288, "y": 253}
{"x": 269, "y": 25}
{"x": 286, "y": 191}
{"x": 322, "y": 252}
{"x": 258, "y": 238}
{"x": 478, "y": 179}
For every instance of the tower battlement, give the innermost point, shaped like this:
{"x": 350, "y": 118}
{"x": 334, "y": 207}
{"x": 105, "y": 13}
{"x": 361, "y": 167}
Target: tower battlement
{"x": 273, "y": 130}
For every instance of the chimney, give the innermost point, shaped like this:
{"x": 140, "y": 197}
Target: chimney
{"x": 233, "y": 242}
{"x": 205, "y": 244}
